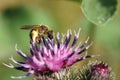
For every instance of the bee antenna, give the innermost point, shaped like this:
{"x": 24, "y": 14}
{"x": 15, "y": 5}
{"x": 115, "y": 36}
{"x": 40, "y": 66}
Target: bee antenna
{"x": 26, "y": 27}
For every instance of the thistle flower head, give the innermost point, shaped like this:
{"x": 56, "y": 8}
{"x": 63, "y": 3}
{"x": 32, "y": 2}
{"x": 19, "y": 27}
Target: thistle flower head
{"x": 100, "y": 69}
{"x": 51, "y": 55}
{"x": 96, "y": 71}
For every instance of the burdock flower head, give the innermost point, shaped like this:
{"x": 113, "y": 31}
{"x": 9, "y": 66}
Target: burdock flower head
{"x": 51, "y": 55}
{"x": 97, "y": 70}
{"x": 101, "y": 69}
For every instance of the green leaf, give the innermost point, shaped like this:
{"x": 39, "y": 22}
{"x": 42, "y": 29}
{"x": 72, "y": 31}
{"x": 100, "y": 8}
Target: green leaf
{"x": 99, "y": 11}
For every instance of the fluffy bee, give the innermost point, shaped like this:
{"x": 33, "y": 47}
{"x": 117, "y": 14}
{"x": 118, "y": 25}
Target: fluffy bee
{"x": 38, "y": 31}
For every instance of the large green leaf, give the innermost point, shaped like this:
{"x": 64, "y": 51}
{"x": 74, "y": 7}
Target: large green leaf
{"x": 99, "y": 11}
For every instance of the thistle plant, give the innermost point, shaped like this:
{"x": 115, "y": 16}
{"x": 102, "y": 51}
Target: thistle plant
{"x": 52, "y": 58}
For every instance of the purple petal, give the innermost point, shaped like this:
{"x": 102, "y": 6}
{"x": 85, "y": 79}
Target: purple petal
{"x": 75, "y": 37}
{"x": 68, "y": 38}
{"x": 20, "y": 77}
{"x": 85, "y": 48}
{"x": 58, "y": 40}
{"x": 20, "y": 64}
{"x": 20, "y": 52}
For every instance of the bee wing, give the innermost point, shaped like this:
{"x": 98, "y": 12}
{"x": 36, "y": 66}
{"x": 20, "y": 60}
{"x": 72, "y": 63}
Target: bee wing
{"x": 27, "y": 27}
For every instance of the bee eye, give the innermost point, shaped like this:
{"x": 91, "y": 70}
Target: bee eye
{"x": 49, "y": 32}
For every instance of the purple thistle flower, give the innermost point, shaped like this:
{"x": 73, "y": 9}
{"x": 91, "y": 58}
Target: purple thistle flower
{"x": 52, "y": 55}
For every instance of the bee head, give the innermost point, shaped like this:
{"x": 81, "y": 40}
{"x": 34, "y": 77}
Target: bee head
{"x": 50, "y": 34}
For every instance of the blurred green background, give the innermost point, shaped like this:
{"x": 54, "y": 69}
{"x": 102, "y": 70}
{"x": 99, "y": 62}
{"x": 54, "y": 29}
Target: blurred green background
{"x": 60, "y": 15}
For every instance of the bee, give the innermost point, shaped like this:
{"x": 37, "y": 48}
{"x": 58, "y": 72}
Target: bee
{"x": 38, "y": 31}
